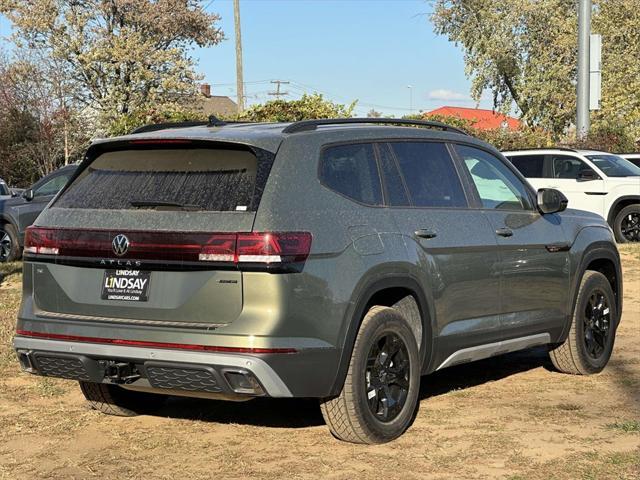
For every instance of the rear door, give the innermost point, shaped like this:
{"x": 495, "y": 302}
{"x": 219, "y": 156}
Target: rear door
{"x": 149, "y": 234}
{"x": 534, "y": 261}
{"x": 453, "y": 246}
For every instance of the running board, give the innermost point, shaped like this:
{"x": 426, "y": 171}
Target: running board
{"x": 479, "y": 352}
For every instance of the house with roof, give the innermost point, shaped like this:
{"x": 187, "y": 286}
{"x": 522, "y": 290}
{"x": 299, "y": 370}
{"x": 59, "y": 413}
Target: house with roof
{"x": 482, "y": 119}
{"x": 217, "y": 105}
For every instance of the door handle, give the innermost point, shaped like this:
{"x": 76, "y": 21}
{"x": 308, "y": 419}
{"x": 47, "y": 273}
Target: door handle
{"x": 424, "y": 233}
{"x": 504, "y": 232}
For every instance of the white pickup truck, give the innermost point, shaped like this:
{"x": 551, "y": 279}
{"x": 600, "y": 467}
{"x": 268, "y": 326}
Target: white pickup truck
{"x": 597, "y": 182}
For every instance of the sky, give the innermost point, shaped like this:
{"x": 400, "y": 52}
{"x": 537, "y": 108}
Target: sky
{"x": 365, "y": 50}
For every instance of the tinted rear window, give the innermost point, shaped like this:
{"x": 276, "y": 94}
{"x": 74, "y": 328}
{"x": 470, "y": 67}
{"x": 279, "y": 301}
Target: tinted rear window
{"x": 531, "y": 166}
{"x": 430, "y": 174}
{"x": 210, "y": 179}
{"x": 352, "y": 171}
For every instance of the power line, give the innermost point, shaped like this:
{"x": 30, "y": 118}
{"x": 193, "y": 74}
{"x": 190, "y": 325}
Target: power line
{"x": 278, "y": 93}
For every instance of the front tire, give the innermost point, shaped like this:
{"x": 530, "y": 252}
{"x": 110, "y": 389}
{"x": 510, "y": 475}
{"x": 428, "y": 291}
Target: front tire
{"x": 589, "y": 344}
{"x": 115, "y": 400}
{"x": 626, "y": 225}
{"x": 379, "y": 396}
{"x": 9, "y": 246}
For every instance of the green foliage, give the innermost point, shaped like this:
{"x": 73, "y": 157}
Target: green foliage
{"x": 124, "y": 124}
{"x": 307, "y": 107}
{"x": 525, "y": 53}
{"x": 123, "y": 56}
{"x": 609, "y": 138}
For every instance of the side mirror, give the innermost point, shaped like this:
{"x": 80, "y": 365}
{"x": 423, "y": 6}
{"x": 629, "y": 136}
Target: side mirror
{"x": 28, "y": 195}
{"x": 587, "y": 176}
{"x": 551, "y": 201}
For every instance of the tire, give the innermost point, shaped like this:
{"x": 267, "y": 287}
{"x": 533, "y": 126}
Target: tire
{"x": 115, "y": 400}
{"x": 575, "y": 355}
{"x": 626, "y": 225}
{"x": 350, "y": 416}
{"x": 9, "y": 246}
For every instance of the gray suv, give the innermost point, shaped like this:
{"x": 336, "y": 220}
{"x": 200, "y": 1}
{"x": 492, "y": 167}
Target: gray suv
{"x": 335, "y": 259}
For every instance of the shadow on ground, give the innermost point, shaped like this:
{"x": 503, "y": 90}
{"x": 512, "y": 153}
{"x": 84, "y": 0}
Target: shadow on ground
{"x": 302, "y": 413}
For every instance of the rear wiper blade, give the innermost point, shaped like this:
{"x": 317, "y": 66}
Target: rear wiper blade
{"x": 162, "y": 205}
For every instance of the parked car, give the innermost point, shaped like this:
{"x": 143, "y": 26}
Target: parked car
{"x": 632, "y": 157}
{"x": 17, "y": 212}
{"x": 333, "y": 259}
{"x": 5, "y": 191}
{"x": 597, "y": 182}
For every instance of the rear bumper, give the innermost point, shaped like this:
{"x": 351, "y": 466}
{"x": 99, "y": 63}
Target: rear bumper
{"x": 161, "y": 370}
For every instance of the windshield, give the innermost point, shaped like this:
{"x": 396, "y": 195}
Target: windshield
{"x": 4, "y": 190}
{"x": 615, "y": 166}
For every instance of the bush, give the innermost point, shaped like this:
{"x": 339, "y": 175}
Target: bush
{"x": 124, "y": 124}
{"x": 307, "y": 107}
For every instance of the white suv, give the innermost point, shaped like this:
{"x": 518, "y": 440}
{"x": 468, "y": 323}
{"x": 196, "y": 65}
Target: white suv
{"x": 598, "y": 182}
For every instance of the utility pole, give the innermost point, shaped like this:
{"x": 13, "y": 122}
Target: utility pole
{"x": 410, "y": 87}
{"x": 584, "y": 31}
{"x": 239, "y": 76}
{"x": 278, "y": 93}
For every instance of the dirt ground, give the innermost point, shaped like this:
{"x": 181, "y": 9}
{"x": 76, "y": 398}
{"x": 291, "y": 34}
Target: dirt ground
{"x": 509, "y": 417}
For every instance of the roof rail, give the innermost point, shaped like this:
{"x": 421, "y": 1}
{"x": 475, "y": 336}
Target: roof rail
{"x": 307, "y": 125}
{"x": 163, "y": 126}
{"x": 564, "y": 149}
{"x": 213, "y": 121}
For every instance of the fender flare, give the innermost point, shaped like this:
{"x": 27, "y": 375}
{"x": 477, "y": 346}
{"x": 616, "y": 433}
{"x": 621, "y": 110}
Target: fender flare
{"x": 610, "y": 215}
{"x": 597, "y": 251}
{"x": 354, "y": 316}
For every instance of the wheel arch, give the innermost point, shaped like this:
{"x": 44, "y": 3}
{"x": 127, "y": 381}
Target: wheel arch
{"x": 600, "y": 257}
{"x": 386, "y": 291}
{"x": 619, "y": 204}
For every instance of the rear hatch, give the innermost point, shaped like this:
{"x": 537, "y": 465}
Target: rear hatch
{"x": 151, "y": 233}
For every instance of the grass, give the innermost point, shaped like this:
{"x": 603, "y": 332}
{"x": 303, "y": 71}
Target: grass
{"x": 630, "y": 426}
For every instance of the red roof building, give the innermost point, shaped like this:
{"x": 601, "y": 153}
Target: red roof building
{"x": 483, "y": 119}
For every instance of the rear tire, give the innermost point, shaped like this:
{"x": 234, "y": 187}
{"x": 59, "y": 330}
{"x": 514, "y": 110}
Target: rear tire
{"x": 9, "y": 246}
{"x": 378, "y": 400}
{"x": 626, "y": 225}
{"x": 115, "y": 400}
{"x": 589, "y": 344}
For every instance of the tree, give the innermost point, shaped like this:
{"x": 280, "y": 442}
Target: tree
{"x": 525, "y": 53}
{"x": 39, "y": 129}
{"x": 124, "y": 55}
{"x": 307, "y": 107}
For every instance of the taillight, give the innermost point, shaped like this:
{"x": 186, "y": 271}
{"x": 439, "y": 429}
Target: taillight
{"x": 268, "y": 248}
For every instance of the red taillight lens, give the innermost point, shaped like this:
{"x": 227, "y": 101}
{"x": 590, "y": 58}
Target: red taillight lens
{"x": 273, "y": 247}
{"x": 234, "y": 248}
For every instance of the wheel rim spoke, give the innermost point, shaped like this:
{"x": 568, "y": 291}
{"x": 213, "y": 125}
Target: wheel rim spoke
{"x": 387, "y": 377}
{"x": 596, "y": 324}
{"x": 5, "y": 246}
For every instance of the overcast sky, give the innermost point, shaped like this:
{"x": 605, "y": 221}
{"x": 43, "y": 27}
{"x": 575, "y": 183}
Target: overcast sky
{"x": 369, "y": 50}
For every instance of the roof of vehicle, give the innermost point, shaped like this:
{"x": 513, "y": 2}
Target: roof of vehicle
{"x": 634, "y": 155}
{"x": 268, "y": 136}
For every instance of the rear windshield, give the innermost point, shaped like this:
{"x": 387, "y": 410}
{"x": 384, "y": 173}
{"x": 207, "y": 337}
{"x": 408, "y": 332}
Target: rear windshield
{"x": 208, "y": 179}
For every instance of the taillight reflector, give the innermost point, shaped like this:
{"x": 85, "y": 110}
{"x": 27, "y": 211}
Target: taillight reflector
{"x": 147, "y": 344}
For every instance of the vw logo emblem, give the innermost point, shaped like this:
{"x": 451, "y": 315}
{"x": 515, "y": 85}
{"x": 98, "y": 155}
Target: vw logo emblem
{"x": 120, "y": 245}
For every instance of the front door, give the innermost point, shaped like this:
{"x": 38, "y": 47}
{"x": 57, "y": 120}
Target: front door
{"x": 534, "y": 261}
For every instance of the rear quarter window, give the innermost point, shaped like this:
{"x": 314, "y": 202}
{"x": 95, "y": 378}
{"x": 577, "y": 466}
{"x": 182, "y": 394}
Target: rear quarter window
{"x": 352, "y": 171}
{"x": 208, "y": 179}
{"x": 531, "y": 166}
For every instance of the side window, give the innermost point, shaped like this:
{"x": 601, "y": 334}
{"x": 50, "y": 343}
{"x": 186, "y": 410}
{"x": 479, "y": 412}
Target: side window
{"x": 497, "y": 186}
{"x": 430, "y": 174}
{"x": 568, "y": 167}
{"x": 352, "y": 171}
{"x": 531, "y": 166}
{"x": 395, "y": 188}
{"x": 51, "y": 187}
